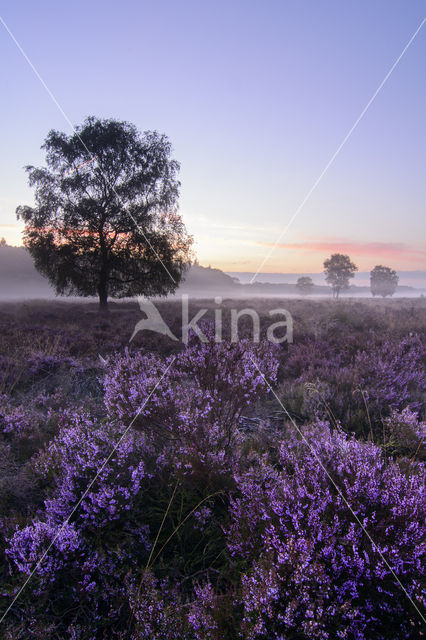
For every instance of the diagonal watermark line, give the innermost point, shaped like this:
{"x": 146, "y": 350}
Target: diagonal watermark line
{"x": 373, "y": 544}
{"x": 338, "y": 150}
{"x": 82, "y": 141}
{"x": 39, "y": 562}
{"x": 83, "y": 164}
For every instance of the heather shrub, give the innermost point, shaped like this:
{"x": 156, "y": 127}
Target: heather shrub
{"x": 163, "y": 515}
{"x": 156, "y": 610}
{"x": 295, "y": 563}
{"x": 405, "y": 435}
{"x": 308, "y": 569}
{"x": 181, "y": 447}
{"x": 193, "y": 410}
{"x": 355, "y": 386}
{"x": 78, "y": 454}
{"x": 26, "y": 428}
{"x": 392, "y": 374}
{"x": 91, "y": 549}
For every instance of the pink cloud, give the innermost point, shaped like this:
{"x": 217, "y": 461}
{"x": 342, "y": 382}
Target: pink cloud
{"x": 388, "y": 250}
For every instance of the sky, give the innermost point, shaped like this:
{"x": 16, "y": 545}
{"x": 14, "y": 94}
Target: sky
{"x": 256, "y": 98}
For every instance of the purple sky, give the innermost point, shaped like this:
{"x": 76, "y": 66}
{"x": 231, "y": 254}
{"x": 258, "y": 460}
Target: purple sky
{"x": 255, "y": 97}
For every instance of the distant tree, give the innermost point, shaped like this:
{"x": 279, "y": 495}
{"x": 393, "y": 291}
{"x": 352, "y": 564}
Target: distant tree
{"x": 304, "y": 285}
{"x": 338, "y": 270}
{"x": 383, "y": 281}
{"x": 3, "y": 242}
{"x": 105, "y": 221}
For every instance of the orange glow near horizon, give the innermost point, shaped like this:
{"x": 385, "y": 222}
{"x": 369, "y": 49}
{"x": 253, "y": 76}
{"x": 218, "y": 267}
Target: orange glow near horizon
{"x": 292, "y": 257}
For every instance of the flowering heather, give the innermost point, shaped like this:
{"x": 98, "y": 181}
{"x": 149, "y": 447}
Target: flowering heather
{"x": 195, "y": 408}
{"x": 357, "y": 385}
{"x": 405, "y": 434}
{"x": 29, "y": 543}
{"x": 163, "y": 516}
{"x": 310, "y": 568}
{"x": 76, "y": 455}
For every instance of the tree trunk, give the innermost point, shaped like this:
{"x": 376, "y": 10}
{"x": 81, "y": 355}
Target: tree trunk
{"x": 103, "y": 274}
{"x": 103, "y": 294}
{"x": 103, "y": 302}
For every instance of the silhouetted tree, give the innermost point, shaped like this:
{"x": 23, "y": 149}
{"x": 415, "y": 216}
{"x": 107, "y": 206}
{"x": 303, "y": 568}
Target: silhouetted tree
{"x": 383, "y": 281}
{"x": 3, "y": 242}
{"x": 304, "y": 285}
{"x": 338, "y": 270}
{"x": 105, "y": 221}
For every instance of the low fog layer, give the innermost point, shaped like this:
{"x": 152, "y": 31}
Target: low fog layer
{"x": 415, "y": 279}
{"x": 19, "y": 279}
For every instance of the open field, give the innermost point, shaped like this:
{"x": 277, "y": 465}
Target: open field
{"x": 152, "y": 489}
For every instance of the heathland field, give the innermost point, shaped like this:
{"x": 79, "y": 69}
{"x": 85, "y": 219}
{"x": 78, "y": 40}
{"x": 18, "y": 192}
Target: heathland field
{"x": 152, "y": 489}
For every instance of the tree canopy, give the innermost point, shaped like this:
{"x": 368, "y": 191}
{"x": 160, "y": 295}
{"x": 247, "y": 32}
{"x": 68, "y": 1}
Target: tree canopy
{"x": 105, "y": 221}
{"x": 338, "y": 270}
{"x": 383, "y": 281}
